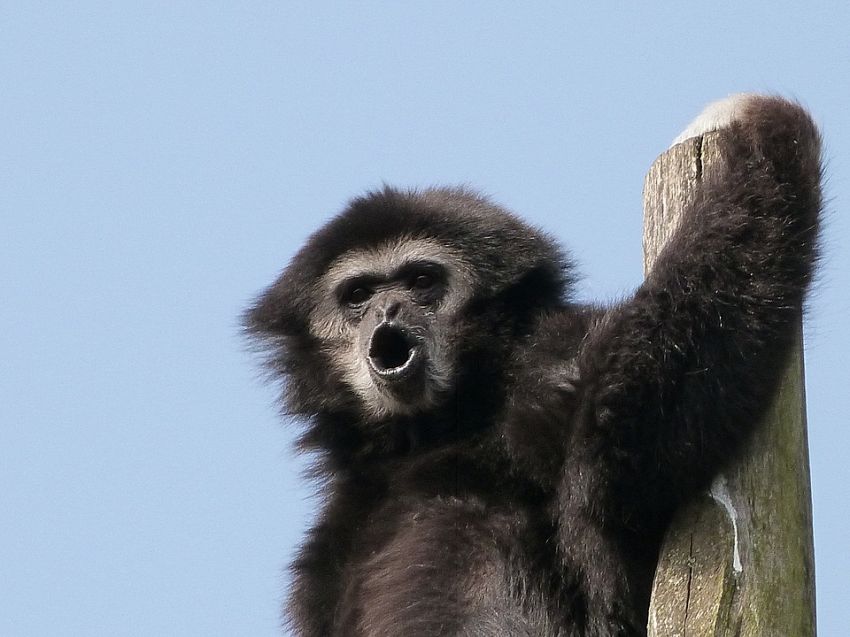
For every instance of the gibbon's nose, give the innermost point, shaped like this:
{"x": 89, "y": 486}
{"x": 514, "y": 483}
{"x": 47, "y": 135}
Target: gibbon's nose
{"x": 391, "y": 310}
{"x": 392, "y": 350}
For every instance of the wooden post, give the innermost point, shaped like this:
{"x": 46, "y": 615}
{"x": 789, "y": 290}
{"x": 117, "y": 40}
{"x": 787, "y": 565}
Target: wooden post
{"x": 739, "y": 559}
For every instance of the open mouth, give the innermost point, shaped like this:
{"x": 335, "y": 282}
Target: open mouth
{"x": 393, "y": 352}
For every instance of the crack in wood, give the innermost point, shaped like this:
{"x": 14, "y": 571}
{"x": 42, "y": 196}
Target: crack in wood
{"x": 688, "y": 588}
{"x": 698, "y": 157}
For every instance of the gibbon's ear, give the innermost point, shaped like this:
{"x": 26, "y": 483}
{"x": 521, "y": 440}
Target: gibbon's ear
{"x": 275, "y": 313}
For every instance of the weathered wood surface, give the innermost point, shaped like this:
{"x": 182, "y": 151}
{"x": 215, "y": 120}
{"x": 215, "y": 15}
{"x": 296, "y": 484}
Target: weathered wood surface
{"x": 739, "y": 560}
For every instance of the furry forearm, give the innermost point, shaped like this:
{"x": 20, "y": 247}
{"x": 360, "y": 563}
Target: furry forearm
{"x": 675, "y": 377}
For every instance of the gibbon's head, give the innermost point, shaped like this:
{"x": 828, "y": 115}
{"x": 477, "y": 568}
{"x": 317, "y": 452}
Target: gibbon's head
{"x": 379, "y": 311}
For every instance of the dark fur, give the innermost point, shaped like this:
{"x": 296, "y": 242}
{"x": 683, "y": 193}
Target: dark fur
{"x": 533, "y": 499}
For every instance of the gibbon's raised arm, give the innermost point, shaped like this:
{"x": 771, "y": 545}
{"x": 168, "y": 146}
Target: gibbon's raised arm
{"x": 676, "y": 376}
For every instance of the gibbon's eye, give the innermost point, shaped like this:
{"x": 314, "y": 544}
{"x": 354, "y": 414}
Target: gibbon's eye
{"x": 423, "y": 282}
{"x": 356, "y": 295}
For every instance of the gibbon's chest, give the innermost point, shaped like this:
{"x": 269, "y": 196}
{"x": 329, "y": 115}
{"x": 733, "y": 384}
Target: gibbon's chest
{"x": 452, "y": 559}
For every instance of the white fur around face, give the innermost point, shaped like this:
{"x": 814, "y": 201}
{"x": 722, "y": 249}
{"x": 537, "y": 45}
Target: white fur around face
{"x": 326, "y": 321}
{"x": 717, "y": 115}
{"x": 342, "y": 339}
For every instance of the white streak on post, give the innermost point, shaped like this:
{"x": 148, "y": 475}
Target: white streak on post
{"x": 720, "y": 492}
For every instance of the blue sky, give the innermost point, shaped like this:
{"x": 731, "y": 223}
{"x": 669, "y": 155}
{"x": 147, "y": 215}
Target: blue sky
{"x": 159, "y": 164}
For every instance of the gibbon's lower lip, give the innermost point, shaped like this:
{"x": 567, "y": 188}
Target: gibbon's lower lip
{"x": 393, "y": 353}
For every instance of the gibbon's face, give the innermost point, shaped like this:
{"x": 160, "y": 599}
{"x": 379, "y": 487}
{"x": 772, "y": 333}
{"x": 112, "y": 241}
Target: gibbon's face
{"x": 387, "y": 320}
